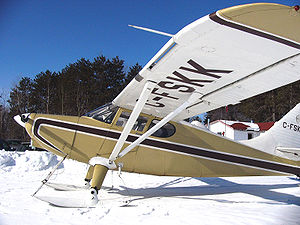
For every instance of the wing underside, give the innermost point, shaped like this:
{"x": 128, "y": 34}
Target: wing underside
{"x": 226, "y": 57}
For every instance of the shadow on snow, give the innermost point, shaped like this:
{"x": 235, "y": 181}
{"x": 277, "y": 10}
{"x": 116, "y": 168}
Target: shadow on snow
{"x": 214, "y": 186}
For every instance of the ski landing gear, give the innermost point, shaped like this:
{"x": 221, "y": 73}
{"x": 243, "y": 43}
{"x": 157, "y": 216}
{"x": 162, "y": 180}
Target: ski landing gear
{"x": 99, "y": 174}
{"x": 81, "y": 196}
{"x": 70, "y": 187}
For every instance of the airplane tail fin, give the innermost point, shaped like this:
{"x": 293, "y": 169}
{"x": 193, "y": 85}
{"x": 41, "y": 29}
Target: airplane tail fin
{"x": 283, "y": 139}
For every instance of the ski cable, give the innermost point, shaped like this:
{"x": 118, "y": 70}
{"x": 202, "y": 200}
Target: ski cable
{"x": 49, "y": 175}
{"x": 126, "y": 202}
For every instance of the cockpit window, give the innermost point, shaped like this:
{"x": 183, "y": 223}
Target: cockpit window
{"x": 105, "y": 113}
{"x": 165, "y": 131}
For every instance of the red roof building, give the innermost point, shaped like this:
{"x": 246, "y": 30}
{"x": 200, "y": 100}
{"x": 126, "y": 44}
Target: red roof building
{"x": 239, "y": 126}
{"x": 239, "y": 130}
{"x": 265, "y": 126}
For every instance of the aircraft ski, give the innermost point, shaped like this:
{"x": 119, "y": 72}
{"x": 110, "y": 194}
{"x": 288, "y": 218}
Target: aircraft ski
{"x": 67, "y": 187}
{"x": 71, "y": 200}
{"x": 220, "y": 59}
{"x": 71, "y": 187}
{"x": 82, "y": 199}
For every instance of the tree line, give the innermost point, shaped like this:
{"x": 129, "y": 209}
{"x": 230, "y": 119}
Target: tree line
{"x": 75, "y": 90}
{"x": 266, "y": 107}
{"x": 85, "y": 85}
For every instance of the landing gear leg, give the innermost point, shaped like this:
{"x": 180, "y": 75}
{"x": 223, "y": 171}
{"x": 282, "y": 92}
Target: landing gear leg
{"x": 99, "y": 174}
{"x": 89, "y": 176}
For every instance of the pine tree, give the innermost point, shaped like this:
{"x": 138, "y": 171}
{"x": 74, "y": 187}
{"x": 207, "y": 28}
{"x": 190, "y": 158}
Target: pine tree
{"x": 20, "y": 102}
{"x": 109, "y": 78}
{"x": 133, "y": 71}
{"x": 21, "y": 97}
{"x": 4, "y": 110}
{"x": 44, "y": 92}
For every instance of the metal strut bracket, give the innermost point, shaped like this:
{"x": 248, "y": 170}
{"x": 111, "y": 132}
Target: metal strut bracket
{"x": 133, "y": 117}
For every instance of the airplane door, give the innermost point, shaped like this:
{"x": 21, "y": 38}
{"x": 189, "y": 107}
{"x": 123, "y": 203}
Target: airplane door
{"x": 115, "y": 131}
{"x": 92, "y": 130}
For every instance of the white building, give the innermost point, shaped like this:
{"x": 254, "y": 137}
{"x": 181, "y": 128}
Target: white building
{"x": 239, "y": 130}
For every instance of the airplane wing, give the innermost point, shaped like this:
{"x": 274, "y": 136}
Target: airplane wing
{"x": 227, "y": 56}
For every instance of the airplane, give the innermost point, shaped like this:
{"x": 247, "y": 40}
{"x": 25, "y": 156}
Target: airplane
{"x": 217, "y": 60}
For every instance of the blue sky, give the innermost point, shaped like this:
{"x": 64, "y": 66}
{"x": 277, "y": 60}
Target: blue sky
{"x": 40, "y": 35}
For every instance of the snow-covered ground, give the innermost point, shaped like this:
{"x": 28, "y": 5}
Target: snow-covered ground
{"x": 154, "y": 200}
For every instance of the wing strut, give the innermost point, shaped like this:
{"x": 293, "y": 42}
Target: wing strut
{"x": 192, "y": 99}
{"x": 133, "y": 117}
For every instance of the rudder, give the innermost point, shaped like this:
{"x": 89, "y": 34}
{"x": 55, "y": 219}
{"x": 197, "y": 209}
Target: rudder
{"x": 283, "y": 139}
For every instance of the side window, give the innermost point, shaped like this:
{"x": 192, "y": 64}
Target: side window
{"x": 123, "y": 119}
{"x": 106, "y": 117}
{"x": 105, "y": 113}
{"x": 139, "y": 124}
{"x": 166, "y": 130}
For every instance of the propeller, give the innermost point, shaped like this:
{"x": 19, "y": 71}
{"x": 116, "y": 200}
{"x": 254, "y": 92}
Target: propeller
{"x": 22, "y": 119}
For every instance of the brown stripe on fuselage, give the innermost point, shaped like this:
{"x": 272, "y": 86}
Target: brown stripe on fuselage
{"x": 215, "y": 18}
{"x": 176, "y": 148}
{"x": 206, "y": 153}
{"x": 36, "y": 133}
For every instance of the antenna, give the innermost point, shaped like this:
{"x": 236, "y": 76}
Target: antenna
{"x": 151, "y": 30}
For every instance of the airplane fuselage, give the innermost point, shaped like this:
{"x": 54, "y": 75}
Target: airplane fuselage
{"x": 177, "y": 149}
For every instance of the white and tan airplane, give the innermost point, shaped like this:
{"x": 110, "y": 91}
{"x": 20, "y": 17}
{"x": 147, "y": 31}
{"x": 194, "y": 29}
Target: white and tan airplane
{"x": 220, "y": 59}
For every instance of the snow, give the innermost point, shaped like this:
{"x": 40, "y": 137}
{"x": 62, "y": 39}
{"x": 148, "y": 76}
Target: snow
{"x": 154, "y": 199}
